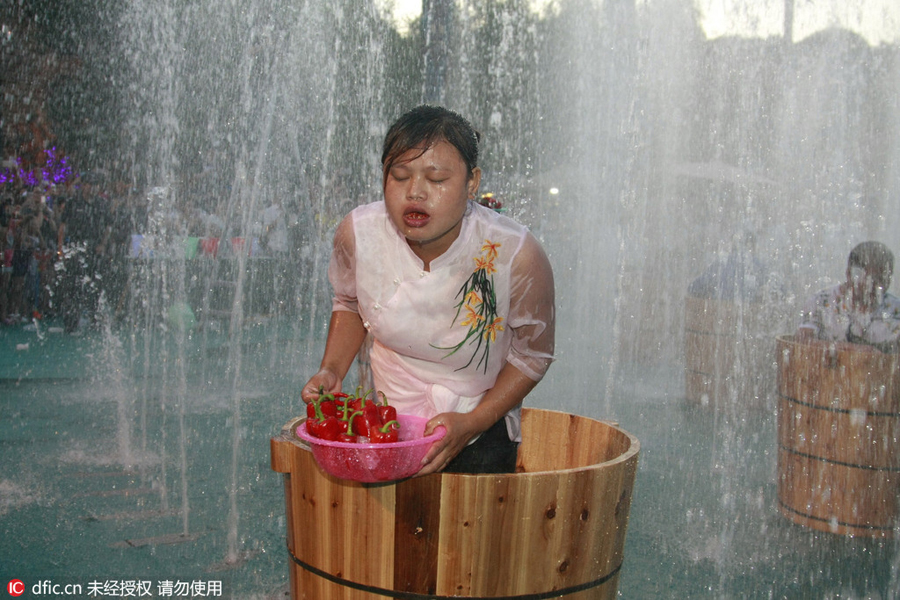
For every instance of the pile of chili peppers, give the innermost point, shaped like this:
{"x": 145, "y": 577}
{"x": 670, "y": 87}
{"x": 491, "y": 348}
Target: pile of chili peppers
{"x": 356, "y": 418}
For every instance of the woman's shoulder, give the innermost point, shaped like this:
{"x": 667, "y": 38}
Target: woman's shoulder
{"x": 368, "y": 211}
{"x": 520, "y": 243}
{"x": 491, "y": 221}
{"x": 369, "y": 220}
{"x": 359, "y": 214}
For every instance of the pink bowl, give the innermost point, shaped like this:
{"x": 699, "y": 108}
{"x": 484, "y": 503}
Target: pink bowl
{"x": 371, "y": 463}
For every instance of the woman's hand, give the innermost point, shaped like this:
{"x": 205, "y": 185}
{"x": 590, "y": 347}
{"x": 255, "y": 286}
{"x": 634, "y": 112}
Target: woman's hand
{"x": 325, "y": 380}
{"x": 509, "y": 389}
{"x": 461, "y": 428}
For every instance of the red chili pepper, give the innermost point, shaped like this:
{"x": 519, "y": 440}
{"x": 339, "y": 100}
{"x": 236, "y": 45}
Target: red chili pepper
{"x": 358, "y": 400}
{"x": 327, "y": 429}
{"x": 331, "y": 429}
{"x": 312, "y": 407}
{"x": 358, "y": 424}
{"x": 351, "y": 434}
{"x": 345, "y": 417}
{"x": 386, "y": 434}
{"x": 327, "y": 403}
{"x": 371, "y": 417}
{"x": 385, "y": 412}
{"x": 314, "y": 416}
{"x": 329, "y": 408}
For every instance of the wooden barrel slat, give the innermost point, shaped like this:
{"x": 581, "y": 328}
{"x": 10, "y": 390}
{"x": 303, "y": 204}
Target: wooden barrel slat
{"x": 838, "y": 437}
{"x": 416, "y": 548}
{"x": 558, "y": 525}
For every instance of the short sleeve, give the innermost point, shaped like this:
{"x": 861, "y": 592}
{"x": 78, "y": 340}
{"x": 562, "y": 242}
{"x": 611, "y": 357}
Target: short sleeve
{"x": 532, "y": 310}
{"x": 342, "y": 268}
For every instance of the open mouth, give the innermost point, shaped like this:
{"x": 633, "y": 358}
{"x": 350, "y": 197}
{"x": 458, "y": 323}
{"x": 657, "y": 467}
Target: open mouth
{"x": 415, "y": 218}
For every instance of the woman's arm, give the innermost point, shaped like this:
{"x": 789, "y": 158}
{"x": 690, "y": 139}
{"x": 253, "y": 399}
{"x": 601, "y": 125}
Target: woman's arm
{"x": 345, "y": 336}
{"x": 345, "y": 331}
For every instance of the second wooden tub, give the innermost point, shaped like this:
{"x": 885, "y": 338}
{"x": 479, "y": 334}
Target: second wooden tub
{"x": 727, "y": 351}
{"x": 838, "y": 438}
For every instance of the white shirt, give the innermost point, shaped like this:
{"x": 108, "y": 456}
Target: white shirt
{"x": 422, "y": 358}
{"x": 831, "y": 315}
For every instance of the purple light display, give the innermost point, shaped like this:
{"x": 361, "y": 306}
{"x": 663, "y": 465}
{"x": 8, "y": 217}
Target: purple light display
{"x": 56, "y": 170}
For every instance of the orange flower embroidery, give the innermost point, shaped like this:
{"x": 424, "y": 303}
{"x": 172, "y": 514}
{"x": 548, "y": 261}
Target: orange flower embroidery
{"x": 490, "y": 331}
{"x": 484, "y": 264}
{"x": 480, "y": 305}
{"x": 472, "y": 318}
{"x": 490, "y": 249}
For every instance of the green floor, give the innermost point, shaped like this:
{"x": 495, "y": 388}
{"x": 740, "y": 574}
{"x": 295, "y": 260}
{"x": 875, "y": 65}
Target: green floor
{"x": 84, "y": 499}
{"x": 106, "y": 438}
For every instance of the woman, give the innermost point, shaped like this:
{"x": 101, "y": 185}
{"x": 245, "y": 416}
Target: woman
{"x": 459, "y": 300}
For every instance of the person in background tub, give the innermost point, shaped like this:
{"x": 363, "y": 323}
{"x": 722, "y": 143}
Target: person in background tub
{"x": 860, "y": 310}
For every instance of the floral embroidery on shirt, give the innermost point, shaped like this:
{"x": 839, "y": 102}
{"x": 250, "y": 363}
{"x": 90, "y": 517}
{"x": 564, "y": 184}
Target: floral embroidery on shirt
{"x": 479, "y": 308}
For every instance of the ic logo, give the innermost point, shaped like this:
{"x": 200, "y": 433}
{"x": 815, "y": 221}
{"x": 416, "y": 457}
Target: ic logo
{"x": 15, "y": 587}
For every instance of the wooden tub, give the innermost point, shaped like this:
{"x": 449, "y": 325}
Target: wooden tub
{"x": 726, "y": 351}
{"x": 554, "y": 529}
{"x": 838, "y": 437}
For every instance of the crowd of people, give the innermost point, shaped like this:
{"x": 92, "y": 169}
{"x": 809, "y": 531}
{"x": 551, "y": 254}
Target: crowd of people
{"x": 63, "y": 246}
{"x": 66, "y": 246}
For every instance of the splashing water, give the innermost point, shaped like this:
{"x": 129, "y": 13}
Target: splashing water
{"x": 635, "y": 148}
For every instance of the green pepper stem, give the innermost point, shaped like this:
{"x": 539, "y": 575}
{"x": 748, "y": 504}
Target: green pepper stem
{"x": 317, "y": 404}
{"x": 350, "y": 422}
{"x": 387, "y": 426}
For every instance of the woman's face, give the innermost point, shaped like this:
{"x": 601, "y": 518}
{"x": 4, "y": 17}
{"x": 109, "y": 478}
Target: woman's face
{"x": 426, "y": 195}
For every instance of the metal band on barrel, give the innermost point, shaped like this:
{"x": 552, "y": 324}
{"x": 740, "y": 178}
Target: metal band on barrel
{"x": 836, "y": 522}
{"x": 416, "y": 596}
{"x": 845, "y": 411}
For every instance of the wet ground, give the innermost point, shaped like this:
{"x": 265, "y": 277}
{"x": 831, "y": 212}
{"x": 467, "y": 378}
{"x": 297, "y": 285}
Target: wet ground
{"x": 107, "y": 439}
{"x": 80, "y": 505}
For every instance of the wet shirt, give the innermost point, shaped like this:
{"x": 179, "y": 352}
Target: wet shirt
{"x": 830, "y": 314}
{"x": 442, "y": 336}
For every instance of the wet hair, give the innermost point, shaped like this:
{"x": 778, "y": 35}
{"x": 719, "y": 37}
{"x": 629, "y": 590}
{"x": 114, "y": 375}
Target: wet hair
{"x": 874, "y": 257}
{"x": 423, "y": 126}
